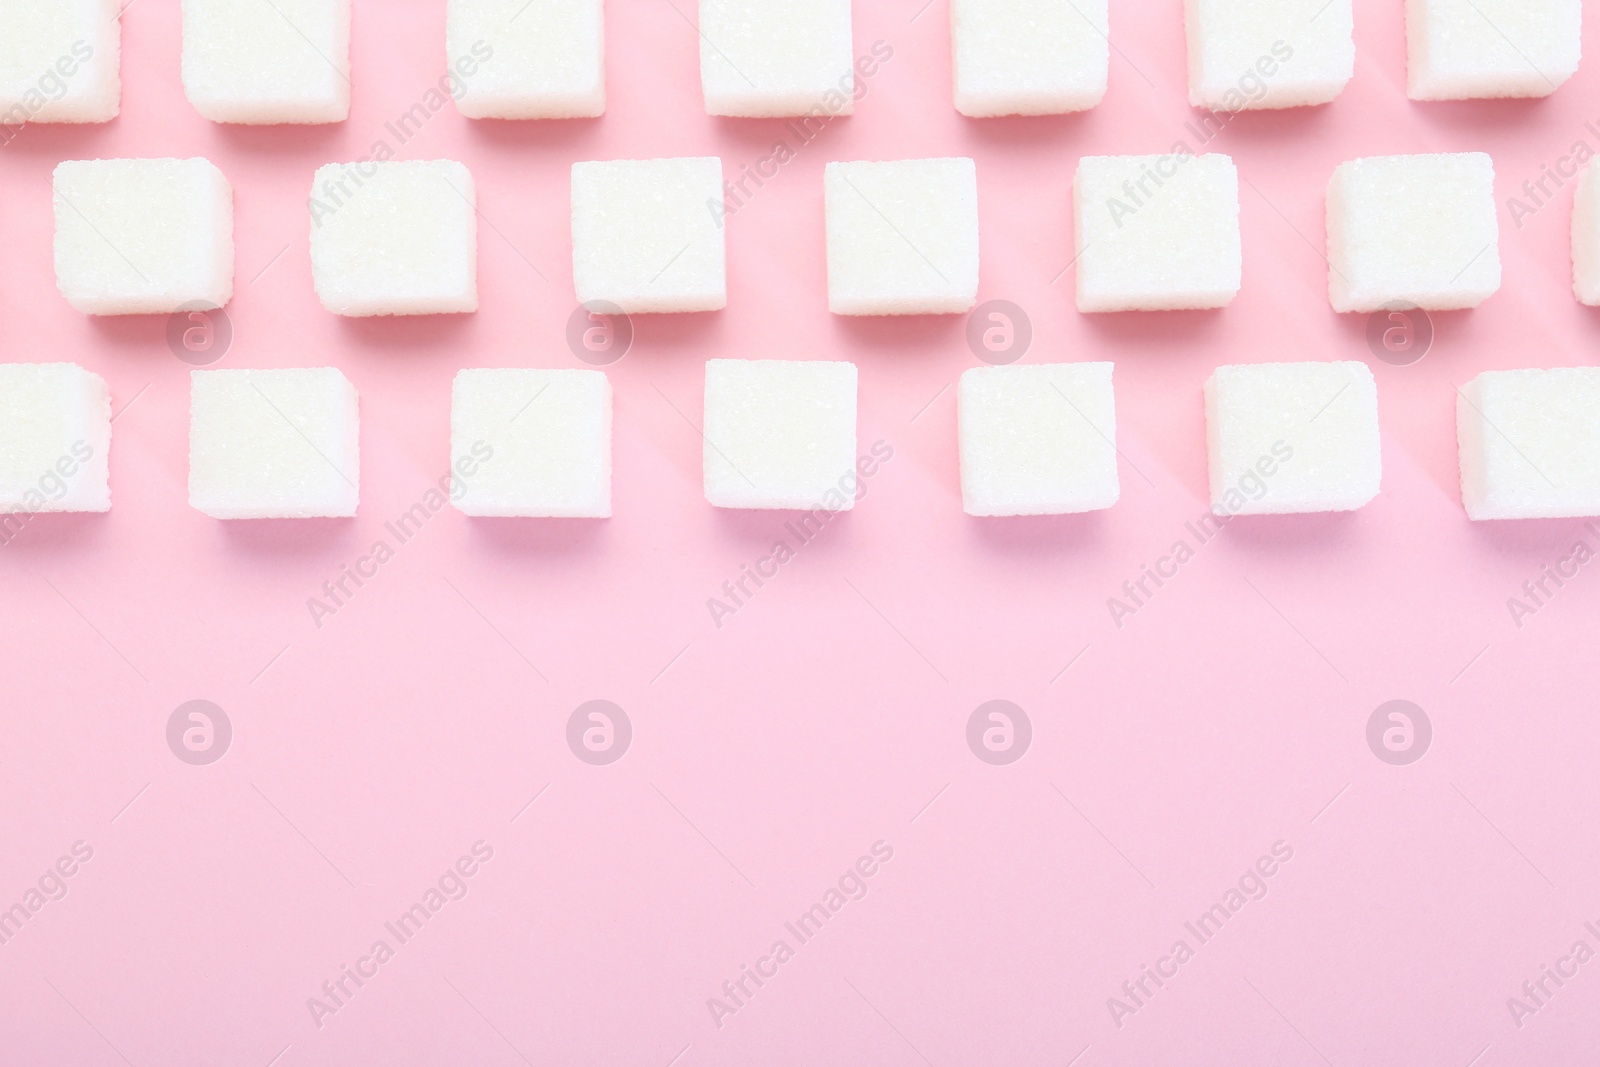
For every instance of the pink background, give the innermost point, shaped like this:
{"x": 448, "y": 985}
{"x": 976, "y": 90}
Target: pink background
{"x": 830, "y": 712}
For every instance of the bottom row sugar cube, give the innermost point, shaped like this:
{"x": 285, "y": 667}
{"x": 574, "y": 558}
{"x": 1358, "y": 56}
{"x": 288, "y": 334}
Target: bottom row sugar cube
{"x": 1530, "y": 443}
{"x": 55, "y": 442}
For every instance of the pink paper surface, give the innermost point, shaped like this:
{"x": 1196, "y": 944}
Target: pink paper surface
{"x": 829, "y": 714}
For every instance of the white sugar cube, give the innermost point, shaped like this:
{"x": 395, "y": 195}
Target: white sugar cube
{"x": 531, "y": 443}
{"x": 1471, "y": 49}
{"x": 647, "y": 234}
{"x": 765, "y": 58}
{"x": 1418, "y": 230}
{"x": 780, "y": 434}
{"x": 1029, "y": 57}
{"x": 1156, "y": 233}
{"x": 395, "y": 238}
{"x": 273, "y": 444}
{"x": 1530, "y": 443}
{"x": 1292, "y": 437}
{"x": 1037, "y": 440}
{"x": 527, "y": 59}
{"x": 60, "y": 61}
{"x": 902, "y": 237}
{"x": 1586, "y": 237}
{"x": 55, "y": 438}
{"x": 261, "y": 62}
{"x": 1258, "y": 54}
{"x": 143, "y": 236}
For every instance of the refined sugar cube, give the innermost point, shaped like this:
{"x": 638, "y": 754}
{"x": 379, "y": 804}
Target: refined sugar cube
{"x": 1156, "y": 233}
{"x": 55, "y": 437}
{"x": 1256, "y": 54}
{"x": 765, "y": 58}
{"x": 1530, "y": 443}
{"x": 60, "y": 61}
{"x": 1470, "y": 49}
{"x": 1417, "y": 230}
{"x": 1029, "y": 57}
{"x": 1037, "y": 440}
{"x": 780, "y": 434}
{"x": 647, "y": 234}
{"x": 395, "y": 238}
{"x": 1586, "y": 237}
{"x": 527, "y": 59}
{"x": 262, "y": 62}
{"x": 531, "y": 443}
{"x": 1292, "y": 437}
{"x": 902, "y": 237}
{"x": 143, "y": 236}
{"x": 273, "y": 444}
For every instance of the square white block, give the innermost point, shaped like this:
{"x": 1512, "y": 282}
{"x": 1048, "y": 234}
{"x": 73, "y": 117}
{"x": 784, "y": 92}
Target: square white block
{"x": 1156, "y": 233}
{"x": 1530, "y": 443}
{"x": 1417, "y": 230}
{"x": 395, "y": 238}
{"x": 902, "y": 237}
{"x": 647, "y": 235}
{"x": 531, "y": 443}
{"x": 765, "y": 58}
{"x": 143, "y": 236}
{"x": 780, "y": 434}
{"x": 527, "y": 59}
{"x": 1292, "y": 437}
{"x": 1029, "y": 57}
{"x": 1471, "y": 49}
{"x": 262, "y": 62}
{"x": 1256, "y": 54}
{"x": 1586, "y": 237}
{"x": 1037, "y": 439}
{"x": 55, "y": 440}
{"x": 60, "y": 61}
{"x": 273, "y": 444}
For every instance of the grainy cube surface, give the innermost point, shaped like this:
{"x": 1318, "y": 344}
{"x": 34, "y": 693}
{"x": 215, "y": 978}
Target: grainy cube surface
{"x": 902, "y": 237}
{"x": 261, "y": 62}
{"x": 645, "y": 236}
{"x": 780, "y": 434}
{"x": 1156, "y": 233}
{"x": 765, "y": 58}
{"x": 1292, "y": 437}
{"x": 527, "y": 59}
{"x": 1037, "y": 440}
{"x": 1468, "y": 49}
{"x": 1418, "y": 230}
{"x": 1530, "y": 443}
{"x": 1257, "y": 54}
{"x": 60, "y": 61}
{"x": 143, "y": 236}
{"x": 273, "y": 444}
{"x": 55, "y": 440}
{"x": 395, "y": 238}
{"x": 1029, "y": 57}
{"x": 531, "y": 443}
{"x": 1586, "y": 237}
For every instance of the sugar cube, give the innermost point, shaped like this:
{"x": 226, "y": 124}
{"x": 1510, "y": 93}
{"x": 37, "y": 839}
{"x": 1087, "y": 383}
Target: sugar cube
{"x": 902, "y": 237}
{"x": 1037, "y": 440}
{"x": 766, "y": 58}
{"x": 1417, "y": 230}
{"x": 1258, "y": 54}
{"x": 273, "y": 444}
{"x": 1156, "y": 233}
{"x": 60, "y": 61}
{"x": 143, "y": 236}
{"x": 1586, "y": 237}
{"x": 395, "y": 238}
{"x": 1472, "y": 49}
{"x": 1292, "y": 437}
{"x": 647, "y": 234}
{"x": 55, "y": 439}
{"x": 527, "y": 59}
{"x": 1530, "y": 443}
{"x": 531, "y": 443}
{"x": 261, "y": 62}
{"x": 780, "y": 434}
{"x": 1029, "y": 57}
